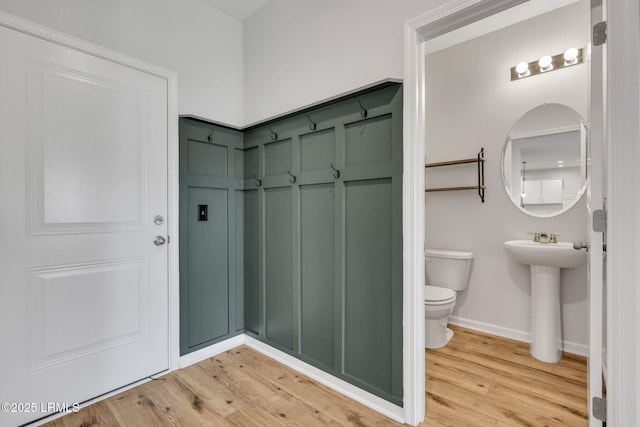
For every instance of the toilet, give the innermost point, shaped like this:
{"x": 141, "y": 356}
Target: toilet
{"x": 446, "y": 273}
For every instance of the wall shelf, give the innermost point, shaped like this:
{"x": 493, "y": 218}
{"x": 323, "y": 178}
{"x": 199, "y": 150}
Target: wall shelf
{"x": 479, "y": 160}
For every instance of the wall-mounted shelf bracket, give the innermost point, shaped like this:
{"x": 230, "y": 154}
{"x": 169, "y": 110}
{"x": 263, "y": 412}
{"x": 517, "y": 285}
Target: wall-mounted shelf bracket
{"x": 479, "y": 160}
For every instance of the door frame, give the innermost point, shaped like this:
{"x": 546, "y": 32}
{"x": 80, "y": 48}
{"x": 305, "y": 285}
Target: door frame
{"x": 623, "y": 237}
{"x": 59, "y": 38}
{"x": 623, "y": 112}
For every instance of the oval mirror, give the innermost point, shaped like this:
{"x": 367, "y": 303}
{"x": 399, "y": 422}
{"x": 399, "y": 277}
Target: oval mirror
{"x": 544, "y": 166}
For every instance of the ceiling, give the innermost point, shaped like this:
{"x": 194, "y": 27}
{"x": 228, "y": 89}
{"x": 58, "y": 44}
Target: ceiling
{"x": 238, "y": 9}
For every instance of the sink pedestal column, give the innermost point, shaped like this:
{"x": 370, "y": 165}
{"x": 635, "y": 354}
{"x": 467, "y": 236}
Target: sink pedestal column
{"x": 546, "y": 337}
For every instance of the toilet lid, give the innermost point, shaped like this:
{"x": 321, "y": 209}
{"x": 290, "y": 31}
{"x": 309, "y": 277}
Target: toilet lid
{"x": 437, "y": 295}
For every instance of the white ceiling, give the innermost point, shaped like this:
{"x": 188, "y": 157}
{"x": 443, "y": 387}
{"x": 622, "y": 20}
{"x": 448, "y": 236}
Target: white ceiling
{"x": 239, "y": 9}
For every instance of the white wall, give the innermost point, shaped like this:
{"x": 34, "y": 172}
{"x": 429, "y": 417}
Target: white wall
{"x": 200, "y": 43}
{"x": 298, "y": 52}
{"x": 472, "y": 103}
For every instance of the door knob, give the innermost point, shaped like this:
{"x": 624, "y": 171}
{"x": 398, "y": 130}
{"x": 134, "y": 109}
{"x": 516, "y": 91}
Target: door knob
{"x": 159, "y": 241}
{"x": 580, "y": 245}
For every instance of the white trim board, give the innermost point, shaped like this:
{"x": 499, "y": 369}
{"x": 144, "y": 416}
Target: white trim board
{"x": 210, "y": 351}
{"x": 514, "y": 334}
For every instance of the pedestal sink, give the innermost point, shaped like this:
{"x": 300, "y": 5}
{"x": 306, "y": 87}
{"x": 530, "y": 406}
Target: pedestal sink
{"x": 545, "y": 261}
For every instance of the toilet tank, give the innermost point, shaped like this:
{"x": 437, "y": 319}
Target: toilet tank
{"x": 447, "y": 269}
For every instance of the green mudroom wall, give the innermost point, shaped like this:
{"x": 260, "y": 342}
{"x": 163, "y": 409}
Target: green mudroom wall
{"x": 317, "y": 235}
{"x": 211, "y": 253}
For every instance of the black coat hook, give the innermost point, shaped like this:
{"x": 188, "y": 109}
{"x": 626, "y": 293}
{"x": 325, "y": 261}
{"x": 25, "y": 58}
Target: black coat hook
{"x": 337, "y": 174}
{"x": 313, "y": 125}
{"x": 258, "y": 182}
{"x": 364, "y": 113}
{"x": 293, "y": 178}
{"x": 210, "y": 137}
{"x": 274, "y": 135}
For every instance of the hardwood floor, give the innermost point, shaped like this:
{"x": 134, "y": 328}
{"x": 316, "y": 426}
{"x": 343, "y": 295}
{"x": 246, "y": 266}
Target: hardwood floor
{"x": 477, "y": 380}
{"x": 483, "y": 380}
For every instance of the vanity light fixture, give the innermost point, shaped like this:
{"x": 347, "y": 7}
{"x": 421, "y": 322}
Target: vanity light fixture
{"x": 546, "y": 63}
{"x": 570, "y": 56}
{"x": 522, "y": 69}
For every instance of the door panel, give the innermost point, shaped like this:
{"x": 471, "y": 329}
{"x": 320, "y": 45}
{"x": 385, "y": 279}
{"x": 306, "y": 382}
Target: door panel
{"x": 124, "y": 283}
{"x": 106, "y": 189}
{"x": 83, "y": 302}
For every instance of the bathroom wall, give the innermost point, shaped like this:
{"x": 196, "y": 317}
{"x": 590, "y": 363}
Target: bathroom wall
{"x": 299, "y": 52}
{"x": 202, "y": 44}
{"x": 472, "y": 103}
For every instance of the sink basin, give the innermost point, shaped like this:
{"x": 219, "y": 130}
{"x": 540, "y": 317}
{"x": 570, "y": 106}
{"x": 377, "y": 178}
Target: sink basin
{"x": 559, "y": 255}
{"x": 545, "y": 261}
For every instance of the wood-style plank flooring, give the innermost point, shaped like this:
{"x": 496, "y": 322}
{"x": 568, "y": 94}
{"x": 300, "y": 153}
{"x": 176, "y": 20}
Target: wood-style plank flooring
{"x": 483, "y": 380}
{"x": 477, "y": 380}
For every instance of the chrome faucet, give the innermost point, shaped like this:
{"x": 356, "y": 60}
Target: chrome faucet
{"x": 536, "y": 236}
{"x": 544, "y": 237}
{"x": 553, "y": 238}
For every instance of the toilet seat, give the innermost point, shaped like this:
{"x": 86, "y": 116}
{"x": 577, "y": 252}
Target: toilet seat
{"x": 434, "y": 295}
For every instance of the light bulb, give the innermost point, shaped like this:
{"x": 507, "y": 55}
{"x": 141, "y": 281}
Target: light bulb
{"x": 545, "y": 63}
{"x": 571, "y": 56}
{"x": 522, "y": 69}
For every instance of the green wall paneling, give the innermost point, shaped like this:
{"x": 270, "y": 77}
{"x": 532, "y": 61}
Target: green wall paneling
{"x": 252, "y": 294}
{"x": 317, "y": 273}
{"x": 368, "y": 282}
{"x": 211, "y": 285}
{"x": 332, "y": 290}
{"x": 207, "y": 265}
{"x": 315, "y": 261}
{"x": 278, "y": 266}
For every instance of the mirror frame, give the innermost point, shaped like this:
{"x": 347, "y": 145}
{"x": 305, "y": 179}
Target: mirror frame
{"x": 582, "y": 127}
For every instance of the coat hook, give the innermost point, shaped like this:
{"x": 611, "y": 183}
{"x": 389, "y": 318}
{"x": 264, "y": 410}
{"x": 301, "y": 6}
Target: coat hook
{"x": 258, "y": 181}
{"x": 210, "y": 137}
{"x": 274, "y": 135}
{"x": 364, "y": 113}
{"x": 293, "y": 178}
{"x": 337, "y": 174}
{"x": 313, "y": 125}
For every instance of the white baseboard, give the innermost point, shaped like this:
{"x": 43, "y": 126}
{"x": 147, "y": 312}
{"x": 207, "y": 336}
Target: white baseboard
{"x": 372, "y": 401}
{"x": 514, "y": 334}
{"x": 212, "y": 350}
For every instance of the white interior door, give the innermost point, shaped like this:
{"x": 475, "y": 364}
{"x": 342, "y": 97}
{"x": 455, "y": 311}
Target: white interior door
{"x": 83, "y": 173}
{"x": 595, "y": 201}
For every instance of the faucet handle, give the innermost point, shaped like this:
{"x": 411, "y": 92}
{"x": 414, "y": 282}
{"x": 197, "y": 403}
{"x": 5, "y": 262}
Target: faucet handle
{"x": 536, "y": 235}
{"x": 553, "y": 237}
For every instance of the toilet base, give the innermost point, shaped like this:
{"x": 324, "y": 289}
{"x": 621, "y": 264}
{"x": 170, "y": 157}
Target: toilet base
{"x": 436, "y": 334}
